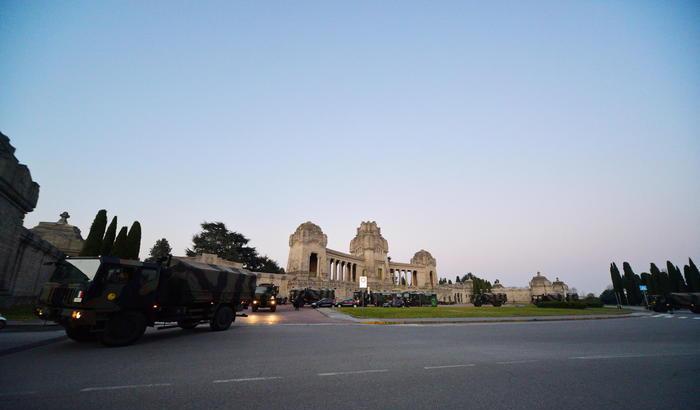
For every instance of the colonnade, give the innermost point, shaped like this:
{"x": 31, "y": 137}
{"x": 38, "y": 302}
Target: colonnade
{"x": 404, "y": 277}
{"x": 342, "y": 271}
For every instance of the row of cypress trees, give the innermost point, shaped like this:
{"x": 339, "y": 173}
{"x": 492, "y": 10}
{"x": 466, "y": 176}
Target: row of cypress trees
{"x": 658, "y": 282}
{"x": 103, "y": 240}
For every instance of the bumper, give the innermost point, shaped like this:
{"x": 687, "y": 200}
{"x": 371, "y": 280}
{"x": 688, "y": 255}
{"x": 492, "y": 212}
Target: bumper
{"x": 66, "y": 316}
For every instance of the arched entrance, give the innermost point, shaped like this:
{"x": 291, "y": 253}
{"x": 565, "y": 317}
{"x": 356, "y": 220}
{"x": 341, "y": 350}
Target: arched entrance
{"x": 313, "y": 264}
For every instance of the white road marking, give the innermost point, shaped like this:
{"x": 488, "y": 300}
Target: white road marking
{"x": 127, "y": 386}
{"x": 246, "y": 379}
{"x": 623, "y": 356}
{"x": 353, "y": 372}
{"x": 657, "y": 315}
{"x": 517, "y": 362}
{"x": 696, "y": 318}
{"x": 682, "y": 317}
{"x": 17, "y": 393}
{"x": 449, "y": 366}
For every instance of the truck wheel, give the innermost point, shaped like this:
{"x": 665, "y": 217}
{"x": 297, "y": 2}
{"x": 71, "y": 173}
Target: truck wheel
{"x": 123, "y": 329}
{"x": 274, "y": 308}
{"x": 187, "y": 324}
{"x": 477, "y": 304}
{"x": 496, "y": 304}
{"x": 254, "y": 308}
{"x": 222, "y": 319}
{"x": 80, "y": 334}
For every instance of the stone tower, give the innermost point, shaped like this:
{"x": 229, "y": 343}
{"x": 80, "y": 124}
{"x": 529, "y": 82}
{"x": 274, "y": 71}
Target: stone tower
{"x": 427, "y": 274}
{"x": 307, "y": 251}
{"x": 370, "y": 245}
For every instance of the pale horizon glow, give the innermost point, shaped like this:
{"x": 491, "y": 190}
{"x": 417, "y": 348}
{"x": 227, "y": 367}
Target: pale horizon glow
{"x": 504, "y": 138}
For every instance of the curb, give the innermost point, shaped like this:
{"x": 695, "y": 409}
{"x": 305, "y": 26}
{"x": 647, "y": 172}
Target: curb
{"x": 509, "y": 319}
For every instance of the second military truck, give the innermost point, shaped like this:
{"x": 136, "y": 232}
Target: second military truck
{"x": 265, "y": 297}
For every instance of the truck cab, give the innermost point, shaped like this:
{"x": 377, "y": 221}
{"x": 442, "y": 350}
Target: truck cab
{"x": 265, "y": 297}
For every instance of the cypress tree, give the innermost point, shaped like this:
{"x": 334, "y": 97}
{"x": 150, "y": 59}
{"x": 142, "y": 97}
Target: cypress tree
{"x": 133, "y": 241}
{"x": 93, "y": 243}
{"x": 692, "y": 276}
{"x": 631, "y": 285}
{"x": 674, "y": 274}
{"x": 660, "y": 278}
{"x": 616, "y": 281}
{"x": 110, "y": 235}
{"x": 120, "y": 249}
{"x": 646, "y": 280}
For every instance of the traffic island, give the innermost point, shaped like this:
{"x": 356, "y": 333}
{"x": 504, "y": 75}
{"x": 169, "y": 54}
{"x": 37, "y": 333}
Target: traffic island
{"x": 466, "y": 314}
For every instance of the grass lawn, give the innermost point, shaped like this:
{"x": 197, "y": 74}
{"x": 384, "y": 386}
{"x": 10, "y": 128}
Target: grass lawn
{"x": 18, "y": 313}
{"x": 468, "y": 311}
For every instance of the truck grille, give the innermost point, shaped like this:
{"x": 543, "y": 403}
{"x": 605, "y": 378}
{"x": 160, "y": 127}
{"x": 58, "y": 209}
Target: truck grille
{"x": 62, "y": 296}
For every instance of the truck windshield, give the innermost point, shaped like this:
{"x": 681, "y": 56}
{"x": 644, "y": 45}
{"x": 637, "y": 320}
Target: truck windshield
{"x": 262, "y": 289}
{"x": 76, "y": 270}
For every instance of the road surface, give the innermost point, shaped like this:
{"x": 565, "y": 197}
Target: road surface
{"x": 315, "y": 363}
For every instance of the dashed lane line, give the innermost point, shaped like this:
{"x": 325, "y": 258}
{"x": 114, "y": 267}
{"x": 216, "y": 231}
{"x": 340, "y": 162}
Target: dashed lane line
{"x": 353, "y": 372}
{"x": 17, "y": 393}
{"x": 625, "y": 356}
{"x": 517, "y": 362}
{"x": 127, "y": 386}
{"x": 449, "y": 366}
{"x": 246, "y": 379}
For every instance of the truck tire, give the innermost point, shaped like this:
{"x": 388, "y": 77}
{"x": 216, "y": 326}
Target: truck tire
{"x": 187, "y": 324}
{"x": 477, "y": 304}
{"x": 123, "y": 329}
{"x": 222, "y": 319}
{"x": 254, "y": 308}
{"x": 80, "y": 334}
{"x": 497, "y": 304}
{"x": 274, "y": 308}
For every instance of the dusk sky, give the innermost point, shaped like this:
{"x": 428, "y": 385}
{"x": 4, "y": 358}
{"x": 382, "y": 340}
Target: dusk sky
{"x": 504, "y": 137}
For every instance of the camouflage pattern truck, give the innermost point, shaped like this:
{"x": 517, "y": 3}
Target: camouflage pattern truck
{"x": 265, "y": 297}
{"x": 114, "y": 300}
{"x": 674, "y": 301}
{"x": 494, "y": 299}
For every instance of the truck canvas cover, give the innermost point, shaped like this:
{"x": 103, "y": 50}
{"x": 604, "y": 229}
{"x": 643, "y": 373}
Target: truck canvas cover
{"x": 190, "y": 282}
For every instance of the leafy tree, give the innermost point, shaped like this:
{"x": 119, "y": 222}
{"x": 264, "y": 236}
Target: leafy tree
{"x": 121, "y": 247}
{"x": 93, "y": 243}
{"x": 160, "y": 249}
{"x": 608, "y": 297}
{"x": 133, "y": 241}
{"x": 110, "y": 236}
{"x": 674, "y": 274}
{"x": 215, "y": 238}
{"x": 631, "y": 283}
{"x": 692, "y": 276}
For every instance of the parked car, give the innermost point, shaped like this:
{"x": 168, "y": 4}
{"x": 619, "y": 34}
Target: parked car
{"x": 350, "y": 302}
{"x": 395, "y": 303}
{"x": 327, "y": 302}
{"x": 3, "y": 322}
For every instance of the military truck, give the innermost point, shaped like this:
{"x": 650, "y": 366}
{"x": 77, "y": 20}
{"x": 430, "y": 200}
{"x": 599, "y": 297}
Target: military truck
{"x": 494, "y": 299}
{"x": 550, "y": 297}
{"x": 673, "y": 301}
{"x": 420, "y": 299}
{"x": 265, "y": 297}
{"x": 114, "y": 300}
{"x": 312, "y": 295}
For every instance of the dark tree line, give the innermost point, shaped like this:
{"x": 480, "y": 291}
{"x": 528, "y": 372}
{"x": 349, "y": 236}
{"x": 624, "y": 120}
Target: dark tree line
{"x": 215, "y": 238}
{"x": 104, "y": 241}
{"x": 658, "y": 282}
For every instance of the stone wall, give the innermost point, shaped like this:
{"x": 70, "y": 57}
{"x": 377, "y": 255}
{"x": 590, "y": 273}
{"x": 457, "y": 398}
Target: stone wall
{"x": 22, "y": 253}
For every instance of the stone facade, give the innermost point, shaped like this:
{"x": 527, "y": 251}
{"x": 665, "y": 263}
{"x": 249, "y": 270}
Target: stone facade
{"x": 61, "y": 234}
{"x": 312, "y": 264}
{"x": 23, "y": 254}
{"x": 539, "y": 285}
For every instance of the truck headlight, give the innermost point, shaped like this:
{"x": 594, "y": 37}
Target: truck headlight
{"x": 255, "y": 302}
{"x": 76, "y": 314}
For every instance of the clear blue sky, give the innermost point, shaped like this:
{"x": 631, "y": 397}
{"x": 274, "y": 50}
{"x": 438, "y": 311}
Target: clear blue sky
{"x": 504, "y": 137}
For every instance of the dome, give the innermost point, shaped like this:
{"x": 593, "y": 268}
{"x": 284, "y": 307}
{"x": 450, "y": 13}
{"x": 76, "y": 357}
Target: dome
{"x": 61, "y": 234}
{"x": 308, "y": 232}
{"x": 539, "y": 280}
{"x": 423, "y": 257}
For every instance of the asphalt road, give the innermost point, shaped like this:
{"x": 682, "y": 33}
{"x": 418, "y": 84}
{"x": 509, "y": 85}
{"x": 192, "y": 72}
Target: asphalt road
{"x": 649, "y": 363}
